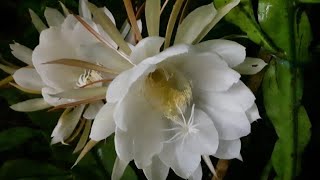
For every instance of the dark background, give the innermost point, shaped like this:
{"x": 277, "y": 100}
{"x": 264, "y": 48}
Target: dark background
{"x": 257, "y": 147}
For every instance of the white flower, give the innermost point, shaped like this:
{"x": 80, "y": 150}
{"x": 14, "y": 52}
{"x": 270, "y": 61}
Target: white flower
{"x": 182, "y": 103}
{"x": 68, "y": 39}
{"x": 153, "y": 111}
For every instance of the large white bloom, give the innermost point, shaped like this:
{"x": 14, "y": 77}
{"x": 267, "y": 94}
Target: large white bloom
{"x": 179, "y": 104}
{"x": 68, "y": 39}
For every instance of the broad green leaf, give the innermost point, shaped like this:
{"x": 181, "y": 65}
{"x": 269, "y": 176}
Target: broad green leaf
{"x": 24, "y": 168}
{"x": 243, "y": 17}
{"x": 107, "y": 154}
{"x": 16, "y": 136}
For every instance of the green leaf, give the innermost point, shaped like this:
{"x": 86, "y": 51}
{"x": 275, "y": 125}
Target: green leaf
{"x": 243, "y": 17}
{"x": 107, "y": 154}
{"x": 303, "y": 36}
{"x": 276, "y": 19}
{"x": 289, "y": 29}
{"x": 16, "y": 136}
{"x": 29, "y": 169}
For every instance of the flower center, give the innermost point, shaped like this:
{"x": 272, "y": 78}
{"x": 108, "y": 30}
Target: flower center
{"x": 168, "y": 90}
{"x": 89, "y": 76}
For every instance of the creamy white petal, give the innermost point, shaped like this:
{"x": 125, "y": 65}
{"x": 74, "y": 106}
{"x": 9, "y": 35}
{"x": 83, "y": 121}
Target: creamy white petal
{"x": 103, "y": 125}
{"x": 250, "y": 66}
{"x": 231, "y": 52}
{"x": 28, "y": 78}
{"x": 147, "y": 47}
{"x": 253, "y": 113}
{"x": 105, "y": 56}
{"x": 92, "y": 110}
{"x": 183, "y": 162}
{"x": 22, "y": 53}
{"x": 237, "y": 98}
{"x": 84, "y": 10}
{"x": 36, "y": 21}
{"x": 228, "y": 149}
{"x": 66, "y": 124}
{"x": 229, "y": 124}
{"x": 109, "y": 14}
{"x": 53, "y": 47}
{"x": 122, "y": 83}
{"x": 197, "y": 175}
{"x": 157, "y": 170}
{"x": 130, "y": 36}
{"x": 120, "y": 86}
{"x": 81, "y": 36}
{"x": 206, "y": 140}
{"x": 118, "y": 169}
{"x": 47, "y": 94}
{"x": 133, "y": 113}
{"x": 207, "y": 71}
{"x": 53, "y": 17}
{"x": 194, "y": 23}
{"x": 152, "y": 11}
{"x": 123, "y": 143}
{"x": 30, "y": 105}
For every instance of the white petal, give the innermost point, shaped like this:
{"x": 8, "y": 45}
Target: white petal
{"x": 152, "y": 11}
{"x": 92, "y": 110}
{"x": 22, "y": 53}
{"x": 157, "y": 170}
{"x": 222, "y": 11}
{"x": 105, "y": 56}
{"x": 67, "y": 124}
{"x": 53, "y": 17}
{"x": 229, "y": 124}
{"x": 183, "y": 162}
{"x": 120, "y": 86}
{"x": 103, "y": 125}
{"x": 47, "y": 94}
{"x": 250, "y": 66}
{"x": 118, "y": 169}
{"x": 208, "y": 72}
{"x": 84, "y": 10}
{"x": 28, "y": 78}
{"x": 36, "y": 21}
{"x": 109, "y": 14}
{"x": 231, "y": 52}
{"x": 130, "y": 115}
{"x": 30, "y": 105}
{"x": 122, "y": 83}
{"x": 237, "y": 98}
{"x": 147, "y": 47}
{"x": 253, "y": 113}
{"x": 197, "y": 175}
{"x": 53, "y": 47}
{"x": 194, "y": 23}
{"x": 130, "y": 36}
{"x": 206, "y": 140}
{"x": 124, "y": 145}
{"x": 228, "y": 149}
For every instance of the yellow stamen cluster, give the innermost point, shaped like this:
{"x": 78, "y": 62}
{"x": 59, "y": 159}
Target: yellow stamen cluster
{"x": 168, "y": 90}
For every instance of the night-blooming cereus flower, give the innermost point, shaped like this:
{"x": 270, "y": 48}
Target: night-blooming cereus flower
{"x": 182, "y": 103}
{"x": 68, "y": 72}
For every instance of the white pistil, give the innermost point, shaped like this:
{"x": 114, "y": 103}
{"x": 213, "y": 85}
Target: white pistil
{"x": 184, "y": 128}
